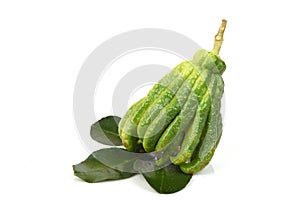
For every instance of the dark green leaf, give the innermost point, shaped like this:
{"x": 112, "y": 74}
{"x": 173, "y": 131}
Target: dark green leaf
{"x": 126, "y": 161}
{"x": 167, "y": 180}
{"x": 92, "y": 170}
{"x": 105, "y": 131}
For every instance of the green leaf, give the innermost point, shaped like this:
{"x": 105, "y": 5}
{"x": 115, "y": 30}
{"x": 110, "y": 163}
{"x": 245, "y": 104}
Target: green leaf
{"x": 105, "y": 131}
{"x": 167, "y": 180}
{"x": 115, "y": 163}
{"x": 123, "y": 160}
{"x": 92, "y": 170}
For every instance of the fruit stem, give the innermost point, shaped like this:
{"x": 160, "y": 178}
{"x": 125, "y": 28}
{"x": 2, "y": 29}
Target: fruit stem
{"x": 219, "y": 38}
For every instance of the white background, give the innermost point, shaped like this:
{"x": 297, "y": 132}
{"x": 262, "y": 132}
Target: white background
{"x": 42, "y": 48}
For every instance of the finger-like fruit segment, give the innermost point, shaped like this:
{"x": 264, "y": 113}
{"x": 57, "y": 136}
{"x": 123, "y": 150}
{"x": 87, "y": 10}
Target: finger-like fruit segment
{"x": 181, "y": 121}
{"x": 208, "y": 143}
{"x": 170, "y": 111}
{"x": 128, "y": 139}
{"x": 192, "y": 137}
{"x": 163, "y": 99}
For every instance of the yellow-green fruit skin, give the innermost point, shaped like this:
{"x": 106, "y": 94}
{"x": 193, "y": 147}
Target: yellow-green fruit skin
{"x": 180, "y": 116}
